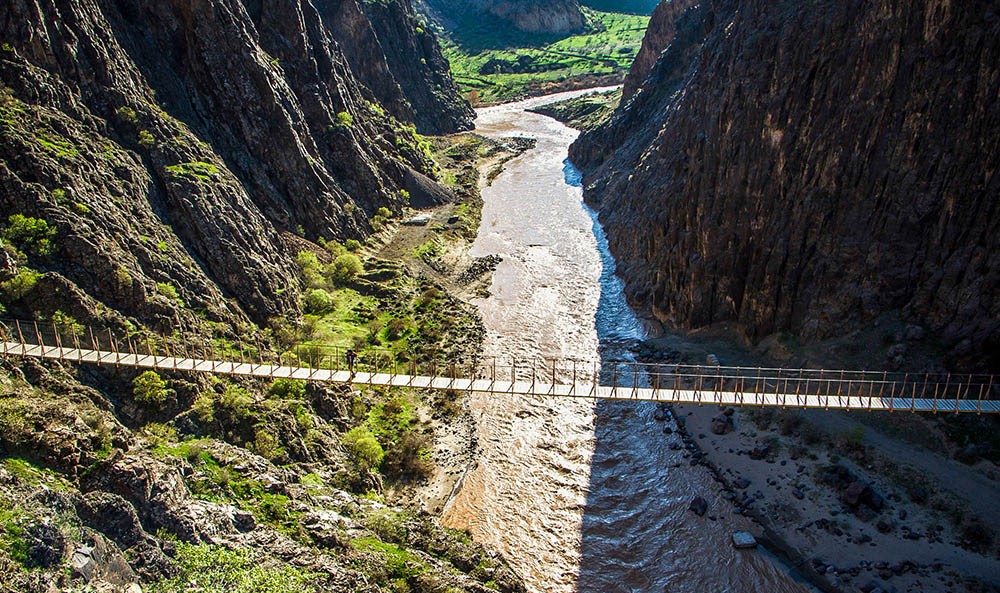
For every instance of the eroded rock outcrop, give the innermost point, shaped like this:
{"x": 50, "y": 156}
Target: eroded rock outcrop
{"x": 175, "y": 146}
{"x": 807, "y": 168}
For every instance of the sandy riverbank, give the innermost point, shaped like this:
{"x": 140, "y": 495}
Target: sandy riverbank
{"x": 854, "y": 509}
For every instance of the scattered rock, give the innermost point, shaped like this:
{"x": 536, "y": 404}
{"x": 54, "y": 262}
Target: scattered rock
{"x": 744, "y": 540}
{"x": 722, "y": 424}
{"x": 760, "y": 452}
{"x": 699, "y": 506}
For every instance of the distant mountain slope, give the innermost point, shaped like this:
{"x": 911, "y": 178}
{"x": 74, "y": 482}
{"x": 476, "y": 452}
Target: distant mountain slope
{"x": 551, "y": 17}
{"x": 626, "y": 6}
{"x": 184, "y": 144}
{"x": 807, "y": 167}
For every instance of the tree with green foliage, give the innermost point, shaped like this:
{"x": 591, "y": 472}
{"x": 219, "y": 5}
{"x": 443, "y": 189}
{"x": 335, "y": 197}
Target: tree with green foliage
{"x": 149, "y": 388}
{"x": 317, "y": 301}
{"x": 363, "y": 447}
{"x": 346, "y": 268}
{"x": 29, "y": 234}
{"x": 287, "y": 389}
{"x": 20, "y": 285}
{"x": 345, "y": 119}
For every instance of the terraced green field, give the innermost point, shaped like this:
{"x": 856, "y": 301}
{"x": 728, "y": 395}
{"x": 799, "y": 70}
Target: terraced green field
{"x": 492, "y": 70}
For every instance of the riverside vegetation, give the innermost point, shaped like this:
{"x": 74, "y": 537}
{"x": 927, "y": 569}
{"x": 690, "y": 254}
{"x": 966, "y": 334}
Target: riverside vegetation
{"x": 291, "y": 476}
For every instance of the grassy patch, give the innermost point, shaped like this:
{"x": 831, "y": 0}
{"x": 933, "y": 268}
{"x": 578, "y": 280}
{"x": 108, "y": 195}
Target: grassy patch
{"x": 214, "y": 569}
{"x": 33, "y": 475}
{"x": 195, "y": 170}
{"x": 12, "y": 524}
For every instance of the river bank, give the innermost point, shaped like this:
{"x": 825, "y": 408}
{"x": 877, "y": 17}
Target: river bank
{"x": 850, "y": 506}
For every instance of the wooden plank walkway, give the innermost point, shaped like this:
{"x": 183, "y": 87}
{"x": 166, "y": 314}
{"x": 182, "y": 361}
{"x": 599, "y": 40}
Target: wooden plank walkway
{"x": 579, "y": 389}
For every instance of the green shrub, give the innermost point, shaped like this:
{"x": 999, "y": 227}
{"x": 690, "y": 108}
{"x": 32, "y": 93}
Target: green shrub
{"x": 266, "y": 444}
{"x": 204, "y": 407}
{"x": 352, "y": 245}
{"x": 59, "y": 195}
{"x": 312, "y": 271}
{"x": 235, "y": 399}
{"x": 127, "y": 115}
{"x": 363, "y": 447}
{"x": 30, "y": 234}
{"x": 345, "y": 119}
{"x": 318, "y": 301}
{"x": 287, "y": 389}
{"x": 346, "y": 268}
{"x": 384, "y": 212}
{"x": 146, "y": 140}
{"x": 20, "y": 285}
{"x": 167, "y": 289}
{"x": 149, "y": 388}
{"x": 159, "y": 434}
{"x": 122, "y": 276}
{"x": 66, "y": 325}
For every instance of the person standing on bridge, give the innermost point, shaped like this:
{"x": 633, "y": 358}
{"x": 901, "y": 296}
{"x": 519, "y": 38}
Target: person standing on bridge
{"x": 352, "y": 358}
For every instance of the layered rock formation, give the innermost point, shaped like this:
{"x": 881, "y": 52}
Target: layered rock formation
{"x": 183, "y": 143}
{"x": 530, "y": 16}
{"x": 399, "y": 59}
{"x": 807, "y": 168}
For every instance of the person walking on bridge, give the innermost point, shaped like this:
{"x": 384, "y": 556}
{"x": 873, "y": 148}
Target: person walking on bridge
{"x": 352, "y": 358}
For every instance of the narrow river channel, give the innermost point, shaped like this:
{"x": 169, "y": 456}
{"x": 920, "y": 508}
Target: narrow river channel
{"x": 581, "y": 496}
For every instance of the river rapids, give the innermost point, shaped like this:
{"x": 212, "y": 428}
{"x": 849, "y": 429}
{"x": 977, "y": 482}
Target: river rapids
{"x": 577, "y": 495}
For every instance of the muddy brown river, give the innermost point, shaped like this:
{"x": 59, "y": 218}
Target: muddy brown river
{"x": 579, "y": 495}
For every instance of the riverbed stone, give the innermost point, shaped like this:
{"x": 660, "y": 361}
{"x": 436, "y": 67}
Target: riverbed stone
{"x": 698, "y": 505}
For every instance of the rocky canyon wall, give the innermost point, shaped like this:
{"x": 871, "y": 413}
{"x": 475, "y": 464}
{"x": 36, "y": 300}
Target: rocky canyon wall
{"x": 186, "y": 144}
{"x": 807, "y": 167}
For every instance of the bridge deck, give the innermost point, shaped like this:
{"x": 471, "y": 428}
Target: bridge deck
{"x": 513, "y": 387}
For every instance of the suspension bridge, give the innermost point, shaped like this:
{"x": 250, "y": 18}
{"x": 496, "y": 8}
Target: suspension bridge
{"x": 613, "y": 380}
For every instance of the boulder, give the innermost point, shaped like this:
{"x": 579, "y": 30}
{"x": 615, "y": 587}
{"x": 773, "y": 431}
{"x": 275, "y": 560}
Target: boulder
{"x": 698, "y": 505}
{"x": 760, "y": 452}
{"x": 744, "y": 540}
{"x": 722, "y": 424}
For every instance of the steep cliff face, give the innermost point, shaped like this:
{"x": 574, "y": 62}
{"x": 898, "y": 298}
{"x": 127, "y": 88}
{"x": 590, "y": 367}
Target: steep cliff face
{"x": 531, "y": 16}
{"x": 400, "y": 61}
{"x": 182, "y": 143}
{"x": 660, "y": 33}
{"x": 808, "y": 167}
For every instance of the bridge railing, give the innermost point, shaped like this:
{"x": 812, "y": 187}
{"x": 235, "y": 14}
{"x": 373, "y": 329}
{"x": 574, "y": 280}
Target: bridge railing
{"x": 701, "y": 383}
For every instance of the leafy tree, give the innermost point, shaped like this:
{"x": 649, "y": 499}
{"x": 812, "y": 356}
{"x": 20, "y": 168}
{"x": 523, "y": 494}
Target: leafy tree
{"x": 149, "y": 388}
{"x": 346, "y": 268}
{"x": 30, "y": 234}
{"x": 364, "y": 447}
{"x": 287, "y": 389}
{"x": 20, "y": 285}
{"x": 318, "y": 301}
